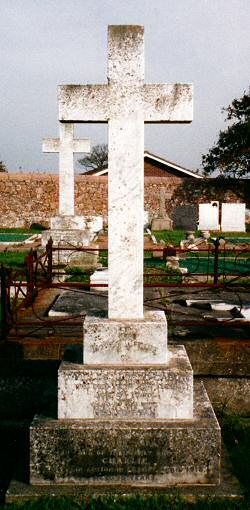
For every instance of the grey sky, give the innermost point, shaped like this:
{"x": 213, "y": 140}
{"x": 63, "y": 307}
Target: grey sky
{"x": 49, "y": 42}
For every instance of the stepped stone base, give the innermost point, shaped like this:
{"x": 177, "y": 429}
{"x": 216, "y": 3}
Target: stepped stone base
{"x": 127, "y": 391}
{"x": 146, "y": 453}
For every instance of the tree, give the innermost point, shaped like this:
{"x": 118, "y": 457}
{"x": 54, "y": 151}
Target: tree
{"x": 97, "y": 159}
{"x": 231, "y": 154}
{"x": 3, "y": 167}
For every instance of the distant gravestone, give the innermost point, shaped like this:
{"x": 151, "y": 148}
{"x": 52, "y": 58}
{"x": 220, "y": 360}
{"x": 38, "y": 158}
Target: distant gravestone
{"x": 163, "y": 222}
{"x": 67, "y": 228}
{"x": 233, "y": 217}
{"x": 184, "y": 217}
{"x": 209, "y": 216}
{"x": 66, "y": 146}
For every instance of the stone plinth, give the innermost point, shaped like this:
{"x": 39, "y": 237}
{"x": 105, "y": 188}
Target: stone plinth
{"x": 162, "y": 224}
{"x": 109, "y": 341}
{"x": 73, "y": 231}
{"x": 136, "y": 452}
{"x": 93, "y": 223}
{"x": 127, "y": 391}
{"x": 73, "y": 238}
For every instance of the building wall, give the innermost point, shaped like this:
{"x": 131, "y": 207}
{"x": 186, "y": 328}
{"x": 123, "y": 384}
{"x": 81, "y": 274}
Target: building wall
{"x": 33, "y": 198}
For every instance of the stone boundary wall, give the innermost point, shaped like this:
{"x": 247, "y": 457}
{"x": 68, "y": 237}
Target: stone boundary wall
{"x": 27, "y": 198}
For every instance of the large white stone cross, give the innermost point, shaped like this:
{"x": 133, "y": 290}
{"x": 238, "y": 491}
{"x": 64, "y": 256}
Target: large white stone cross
{"x": 125, "y": 102}
{"x": 66, "y": 145}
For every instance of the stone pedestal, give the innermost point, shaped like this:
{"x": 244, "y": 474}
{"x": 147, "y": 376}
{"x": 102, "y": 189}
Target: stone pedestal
{"x": 73, "y": 231}
{"x": 162, "y": 223}
{"x": 128, "y": 415}
{"x": 109, "y": 341}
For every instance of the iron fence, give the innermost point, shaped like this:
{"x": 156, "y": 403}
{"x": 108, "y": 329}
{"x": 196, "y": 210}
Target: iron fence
{"x": 215, "y": 267}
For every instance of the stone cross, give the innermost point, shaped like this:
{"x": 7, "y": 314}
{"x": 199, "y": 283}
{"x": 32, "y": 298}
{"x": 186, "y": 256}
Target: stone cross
{"x": 162, "y": 202}
{"x": 66, "y": 145}
{"x": 125, "y": 103}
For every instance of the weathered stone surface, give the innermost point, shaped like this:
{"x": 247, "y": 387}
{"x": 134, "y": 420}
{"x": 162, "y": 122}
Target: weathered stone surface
{"x": 162, "y": 224}
{"x": 93, "y": 223}
{"x": 127, "y": 391}
{"x": 144, "y": 452}
{"x": 126, "y": 103}
{"x": 109, "y": 341}
{"x": 70, "y": 239}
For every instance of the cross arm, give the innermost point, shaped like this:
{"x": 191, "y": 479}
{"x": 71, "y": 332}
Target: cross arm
{"x": 81, "y": 145}
{"x": 51, "y": 145}
{"x": 83, "y": 103}
{"x": 168, "y": 103}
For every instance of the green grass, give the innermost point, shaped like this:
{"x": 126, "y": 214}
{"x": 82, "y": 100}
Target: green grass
{"x": 76, "y": 274}
{"x": 29, "y": 231}
{"x": 13, "y": 259}
{"x": 174, "y": 237}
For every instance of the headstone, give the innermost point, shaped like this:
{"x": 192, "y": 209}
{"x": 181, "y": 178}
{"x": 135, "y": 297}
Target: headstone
{"x": 163, "y": 222}
{"x": 233, "y": 217}
{"x": 117, "y": 411}
{"x": 184, "y": 217}
{"x": 209, "y": 216}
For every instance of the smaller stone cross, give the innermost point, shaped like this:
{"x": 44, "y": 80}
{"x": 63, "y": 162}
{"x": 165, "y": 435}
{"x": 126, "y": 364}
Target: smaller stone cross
{"x": 66, "y": 145}
{"x": 162, "y": 202}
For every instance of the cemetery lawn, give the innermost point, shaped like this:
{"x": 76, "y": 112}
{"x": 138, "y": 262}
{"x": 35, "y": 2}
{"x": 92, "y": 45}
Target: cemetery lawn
{"x": 13, "y": 259}
{"x": 173, "y": 237}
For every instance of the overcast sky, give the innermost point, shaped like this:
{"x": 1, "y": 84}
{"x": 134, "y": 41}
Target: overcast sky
{"x": 49, "y": 42}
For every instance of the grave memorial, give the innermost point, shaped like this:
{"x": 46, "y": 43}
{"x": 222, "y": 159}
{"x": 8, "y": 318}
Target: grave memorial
{"x": 128, "y": 414}
{"x": 226, "y": 217}
{"x": 162, "y": 222}
{"x": 67, "y": 227}
{"x": 233, "y": 217}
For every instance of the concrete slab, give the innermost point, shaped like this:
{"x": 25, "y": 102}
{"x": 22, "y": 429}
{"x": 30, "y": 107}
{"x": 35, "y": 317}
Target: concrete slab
{"x": 72, "y": 303}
